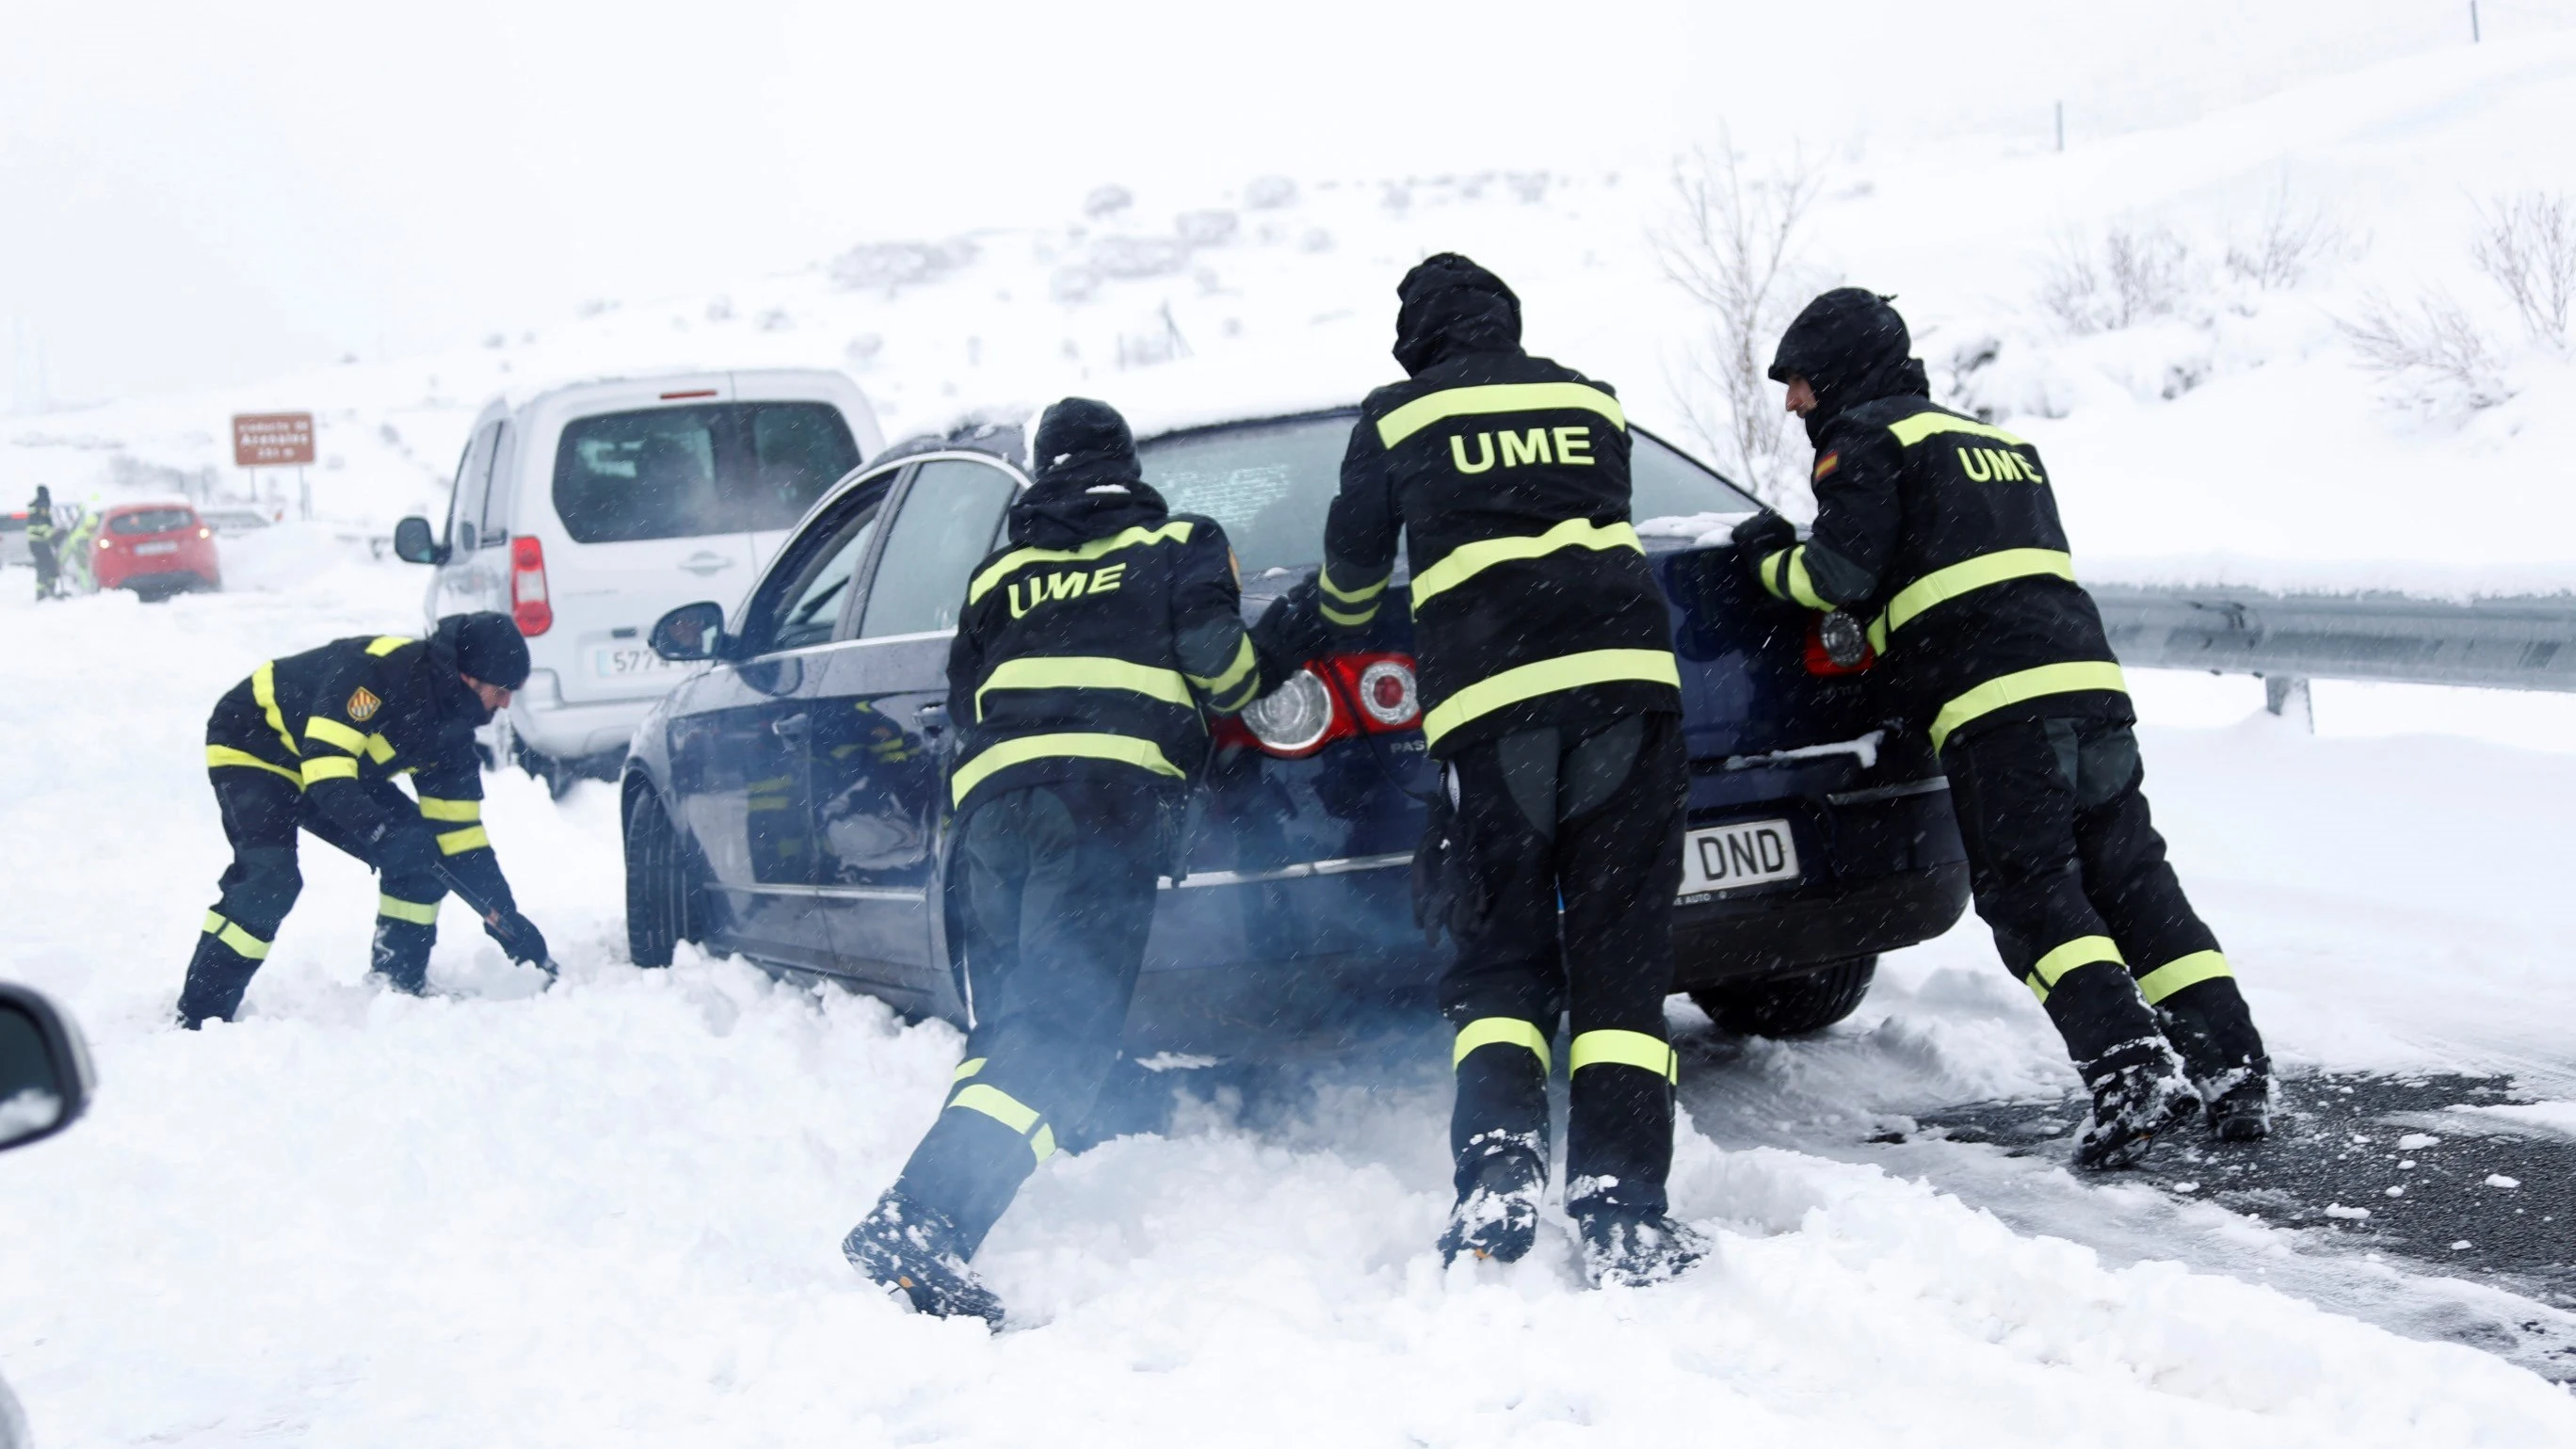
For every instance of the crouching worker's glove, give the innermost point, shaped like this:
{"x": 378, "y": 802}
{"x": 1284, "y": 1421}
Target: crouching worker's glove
{"x": 520, "y": 937}
{"x": 1762, "y": 536}
{"x": 1291, "y": 631}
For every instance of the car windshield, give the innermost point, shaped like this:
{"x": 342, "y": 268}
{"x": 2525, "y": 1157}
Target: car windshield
{"x": 1269, "y": 484}
{"x": 688, "y": 471}
{"x": 151, "y": 520}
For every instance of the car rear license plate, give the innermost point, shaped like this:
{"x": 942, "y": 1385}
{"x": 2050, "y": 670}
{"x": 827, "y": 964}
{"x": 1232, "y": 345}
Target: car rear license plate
{"x": 624, "y": 661}
{"x": 153, "y": 548}
{"x": 1731, "y": 857}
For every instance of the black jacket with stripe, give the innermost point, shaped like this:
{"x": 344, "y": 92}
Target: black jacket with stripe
{"x": 363, "y": 710}
{"x": 1094, "y": 644}
{"x": 1533, "y": 603}
{"x": 1942, "y": 533}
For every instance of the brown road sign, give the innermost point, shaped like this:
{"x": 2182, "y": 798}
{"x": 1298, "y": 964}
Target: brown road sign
{"x": 272, "y": 440}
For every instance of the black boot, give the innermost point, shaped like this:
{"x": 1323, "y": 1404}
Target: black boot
{"x": 1496, "y": 1216}
{"x": 1498, "y": 1139}
{"x": 917, "y": 1252}
{"x": 1631, "y": 1248}
{"x": 2222, "y": 1053}
{"x": 2138, "y": 1094}
{"x": 217, "y": 977}
{"x": 401, "y": 956}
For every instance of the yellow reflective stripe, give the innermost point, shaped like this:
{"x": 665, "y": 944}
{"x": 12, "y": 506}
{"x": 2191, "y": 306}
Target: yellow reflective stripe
{"x": 1910, "y": 431}
{"x": 399, "y": 909}
{"x": 263, "y": 688}
{"x": 387, "y": 643}
{"x": 242, "y": 942}
{"x": 220, "y": 755}
{"x": 1011, "y": 1112}
{"x": 1470, "y": 559}
{"x": 1177, "y": 531}
{"x": 1360, "y": 595}
{"x": 1235, "y": 673}
{"x": 1348, "y": 620}
{"x": 2190, "y": 970}
{"x": 1499, "y": 397}
{"x": 1080, "y": 671}
{"x": 1548, "y": 676}
{"x": 2082, "y": 951}
{"x": 2012, "y": 689}
{"x": 968, "y": 1068}
{"x": 1487, "y": 1031}
{"x": 1626, "y": 1049}
{"x": 380, "y": 749}
{"x": 1123, "y": 749}
{"x": 329, "y": 767}
{"x": 1784, "y": 574}
{"x": 332, "y": 732}
{"x": 434, "y": 808}
{"x": 1234, "y": 703}
{"x": 1984, "y": 571}
{"x": 457, "y": 842}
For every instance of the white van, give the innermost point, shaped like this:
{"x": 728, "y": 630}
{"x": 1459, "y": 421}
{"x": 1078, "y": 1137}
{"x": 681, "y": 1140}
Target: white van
{"x": 587, "y": 511}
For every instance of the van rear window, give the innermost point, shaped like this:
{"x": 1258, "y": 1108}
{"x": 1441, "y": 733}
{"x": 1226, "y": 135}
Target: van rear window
{"x": 682, "y": 472}
{"x": 151, "y": 520}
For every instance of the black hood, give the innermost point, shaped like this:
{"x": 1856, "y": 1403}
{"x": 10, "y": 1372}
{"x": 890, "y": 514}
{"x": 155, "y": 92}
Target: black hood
{"x": 1851, "y": 347}
{"x": 1451, "y": 306}
{"x": 1087, "y": 482}
{"x": 487, "y": 646}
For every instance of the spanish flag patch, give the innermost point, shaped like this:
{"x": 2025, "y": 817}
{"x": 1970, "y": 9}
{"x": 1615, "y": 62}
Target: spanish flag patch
{"x": 1825, "y": 465}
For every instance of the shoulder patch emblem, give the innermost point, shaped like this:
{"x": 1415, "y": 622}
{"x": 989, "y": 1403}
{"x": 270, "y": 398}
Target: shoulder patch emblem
{"x": 1826, "y": 464}
{"x": 363, "y": 705}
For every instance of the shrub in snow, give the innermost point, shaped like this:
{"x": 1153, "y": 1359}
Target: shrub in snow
{"x": 2433, "y": 353}
{"x": 720, "y": 309}
{"x": 2137, "y": 272}
{"x": 1129, "y": 257}
{"x": 1269, "y": 193}
{"x": 1073, "y": 284}
{"x": 892, "y": 266}
{"x": 1107, "y": 200}
{"x": 2288, "y": 244}
{"x": 1396, "y": 197}
{"x": 861, "y": 353}
{"x": 776, "y": 320}
{"x": 2527, "y": 246}
{"x": 1316, "y": 239}
{"x": 1211, "y": 228}
{"x": 595, "y": 307}
{"x": 1529, "y": 186}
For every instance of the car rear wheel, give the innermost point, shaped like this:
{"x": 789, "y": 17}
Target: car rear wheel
{"x": 657, "y": 887}
{"x": 1795, "y": 1005}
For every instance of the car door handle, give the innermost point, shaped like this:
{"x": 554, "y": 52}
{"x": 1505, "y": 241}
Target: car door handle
{"x": 703, "y": 564}
{"x": 794, "y": 727}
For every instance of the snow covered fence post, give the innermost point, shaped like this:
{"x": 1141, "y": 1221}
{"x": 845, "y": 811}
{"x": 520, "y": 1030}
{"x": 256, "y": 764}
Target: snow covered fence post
{"x": 2286, "y": 696}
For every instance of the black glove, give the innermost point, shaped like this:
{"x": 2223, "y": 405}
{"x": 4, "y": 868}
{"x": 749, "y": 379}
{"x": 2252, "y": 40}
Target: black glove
{"x": 1763, "y": 535}
{"x": 1292, "y": 631}
{"x": 1447, "y": 893}
{"x": 520, "y": 937}
{"x": 405, "y": 851}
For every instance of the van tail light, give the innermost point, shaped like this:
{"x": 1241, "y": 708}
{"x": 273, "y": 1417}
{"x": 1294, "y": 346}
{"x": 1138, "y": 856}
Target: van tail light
{"x": 1838, "y": 645}
{"x": 1332, "y": 699}
{"x": 528, "y": 605}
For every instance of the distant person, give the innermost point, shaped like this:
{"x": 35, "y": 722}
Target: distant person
{"x": 1942, "y": 533}
{"x": 40, "y": 543}
{"x": 1091, "y": 650}
{"x": 312, "y": 741}
{"x": 1552, "y": 700}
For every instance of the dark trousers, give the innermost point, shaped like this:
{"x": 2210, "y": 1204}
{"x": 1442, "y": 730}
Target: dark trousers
{"x": 1059, "y": 897}
{"x": 2071, "y": 875}
{"x": 262, "y": 811}
{"x": 1591, "y": 820}
{"x": 40, "y": 552}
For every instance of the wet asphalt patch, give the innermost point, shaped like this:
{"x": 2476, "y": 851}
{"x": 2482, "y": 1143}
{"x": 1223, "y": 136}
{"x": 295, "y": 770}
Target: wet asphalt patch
{"x": 2389, "y": 1166}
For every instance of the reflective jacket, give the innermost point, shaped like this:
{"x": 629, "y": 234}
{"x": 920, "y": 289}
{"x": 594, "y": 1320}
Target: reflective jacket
{"x": 1533, "y": 604}
{"x": 367, "y": 709}
{"x": 1941, "y": 532}
{"x": 1094, "y": 644}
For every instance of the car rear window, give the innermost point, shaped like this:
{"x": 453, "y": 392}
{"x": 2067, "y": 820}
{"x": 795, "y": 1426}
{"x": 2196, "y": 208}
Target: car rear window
{"x": 13, "y": 523}
{"x": 688, "y": 471}
{"x": 1269, "y": 484}
{"x": 151, "y": 520}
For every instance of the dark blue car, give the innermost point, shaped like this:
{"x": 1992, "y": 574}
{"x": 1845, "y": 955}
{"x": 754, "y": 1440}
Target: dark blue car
{"x": 786, "y": 802}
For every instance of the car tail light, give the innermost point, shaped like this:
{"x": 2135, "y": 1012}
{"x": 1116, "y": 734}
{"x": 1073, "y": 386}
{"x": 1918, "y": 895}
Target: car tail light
{"x": 205, "y": 533}
{"x": 528, "y": 605}
{"x": 1837, "y": 644}
{"x": 1333, "y": 699}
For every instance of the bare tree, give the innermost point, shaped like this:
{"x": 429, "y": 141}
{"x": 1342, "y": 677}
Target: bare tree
{"x": 2434, "y": 351}
{"x": 2527, "y": 245}
{"x": 1731, "y": 243}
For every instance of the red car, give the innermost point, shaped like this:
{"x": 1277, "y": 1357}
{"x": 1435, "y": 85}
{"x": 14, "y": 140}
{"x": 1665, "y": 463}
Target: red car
{"x": 155, "y": 549}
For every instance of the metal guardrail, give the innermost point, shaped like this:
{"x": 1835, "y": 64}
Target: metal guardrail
{"x": 2498, "y": 643}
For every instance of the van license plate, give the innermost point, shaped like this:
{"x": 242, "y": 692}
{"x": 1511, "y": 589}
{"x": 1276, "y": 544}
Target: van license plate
{"x": 1731, "y": 857}
{"x": 626, "y": 661}
{"x": 148, "y": 549}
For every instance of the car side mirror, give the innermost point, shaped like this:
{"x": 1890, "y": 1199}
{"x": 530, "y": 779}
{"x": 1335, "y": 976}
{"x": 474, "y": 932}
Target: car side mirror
{"x": 414, "y": 543}
{"x": 45, "y": 1079}
{"x": 689, "y": 633}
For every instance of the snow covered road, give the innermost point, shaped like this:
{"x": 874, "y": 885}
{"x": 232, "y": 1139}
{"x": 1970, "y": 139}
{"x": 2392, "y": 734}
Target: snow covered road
{"x": 610, "y": 1213}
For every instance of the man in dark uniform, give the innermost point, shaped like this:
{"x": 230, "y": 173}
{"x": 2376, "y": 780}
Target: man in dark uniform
{"x": 1553, "y": 702}
{"x": 313, "y": 741}
{"x": 40, "y": 542}
{"x": 1090, "y": 651}
{"x": 1942, "y": 533}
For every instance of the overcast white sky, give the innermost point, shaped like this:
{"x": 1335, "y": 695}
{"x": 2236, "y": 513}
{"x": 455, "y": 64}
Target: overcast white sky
{"x": 195, "y": 194}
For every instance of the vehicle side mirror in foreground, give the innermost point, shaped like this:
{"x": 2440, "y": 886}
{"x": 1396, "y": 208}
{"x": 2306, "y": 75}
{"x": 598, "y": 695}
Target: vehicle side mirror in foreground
{"x": 414, "y": 543}
{"x": 689, "y": 633}
{"x": 45, "y": 1077}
